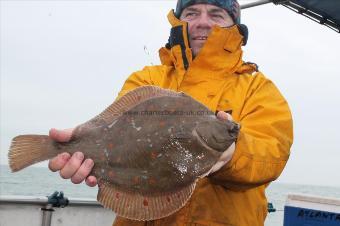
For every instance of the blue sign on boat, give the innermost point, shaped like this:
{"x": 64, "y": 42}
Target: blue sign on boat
{"x": 301, "y": 210}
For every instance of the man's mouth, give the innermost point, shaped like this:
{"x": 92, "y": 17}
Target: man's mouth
{"x": 200, "y": 38}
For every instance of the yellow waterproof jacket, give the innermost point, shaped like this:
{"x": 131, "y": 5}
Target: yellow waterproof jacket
{"x": 218, "y": 78}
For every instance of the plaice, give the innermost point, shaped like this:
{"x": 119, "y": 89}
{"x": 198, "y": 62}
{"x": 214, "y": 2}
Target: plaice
{"x": 149, "y": 148}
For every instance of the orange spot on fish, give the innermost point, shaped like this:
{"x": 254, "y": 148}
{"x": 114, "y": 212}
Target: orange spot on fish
{"x": 111, "y": 174}
{"x": 136, "y": 180}
{"x": 153, "y": 155}
{"x": 117, "y": 195}
{"x": 110, "y": 146}
{"x": 145, "y": 202}
{"x": 152, "y": 181}
{"x": 161, "y": 123}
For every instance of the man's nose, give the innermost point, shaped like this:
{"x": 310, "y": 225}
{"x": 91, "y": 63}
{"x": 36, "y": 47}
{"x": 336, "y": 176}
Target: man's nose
{"x": 204, "y": 21}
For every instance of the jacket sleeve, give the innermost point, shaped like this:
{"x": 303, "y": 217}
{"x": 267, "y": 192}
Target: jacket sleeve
{"x": 135, "y": 80}
{"x": 265, "y": 138}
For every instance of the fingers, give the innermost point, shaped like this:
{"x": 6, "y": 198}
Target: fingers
{"x": 72, "y": 166}
{"x": 221, "y": 115}
{"x": 61, "y": 135}
{"x": 58, "y": 162}
{"x": 224, "y": 158}
{"x": 83, "y": 172}
{"x": 78, "y": 170}
{"x": 91, "y": 181}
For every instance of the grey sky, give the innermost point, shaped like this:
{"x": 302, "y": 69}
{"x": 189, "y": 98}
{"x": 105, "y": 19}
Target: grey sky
{"x": 64, "y": 62}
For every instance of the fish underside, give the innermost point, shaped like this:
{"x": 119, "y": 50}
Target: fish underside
{"x": 149, "y": 148}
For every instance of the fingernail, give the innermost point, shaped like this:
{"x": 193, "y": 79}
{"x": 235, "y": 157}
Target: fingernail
{"x": 88, "y": 163}
{"x": 93, "y": 182}
{"x": 65, "y": 156}
{"x": 79, "y": 155}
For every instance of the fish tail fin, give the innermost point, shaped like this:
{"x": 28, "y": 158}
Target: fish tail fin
{"x": 27, "y": 150}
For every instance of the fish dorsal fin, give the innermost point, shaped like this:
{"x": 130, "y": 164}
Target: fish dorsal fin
{"x": 129, "y": 100}
{"x": 140, "y": 207}
{"x": 125, "y": 103}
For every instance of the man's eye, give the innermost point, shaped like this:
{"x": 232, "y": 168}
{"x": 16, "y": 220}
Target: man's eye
{"x": 218, "y": 16}
{"x": 190, "y": 14}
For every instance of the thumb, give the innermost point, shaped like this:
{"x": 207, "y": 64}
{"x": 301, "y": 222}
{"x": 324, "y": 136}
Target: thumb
{"x": 61, "y": 135}
{"x": 223, "y": 116}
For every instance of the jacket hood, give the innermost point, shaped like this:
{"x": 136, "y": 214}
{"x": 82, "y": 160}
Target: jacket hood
{"x": 221, "y": 52}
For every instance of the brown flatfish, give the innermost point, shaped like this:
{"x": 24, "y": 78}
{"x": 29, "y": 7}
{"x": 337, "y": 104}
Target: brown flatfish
{"x": 149, "y": 148}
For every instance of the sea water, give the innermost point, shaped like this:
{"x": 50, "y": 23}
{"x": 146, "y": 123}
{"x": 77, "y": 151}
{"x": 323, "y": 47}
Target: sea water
{"x": 35, "y": 181}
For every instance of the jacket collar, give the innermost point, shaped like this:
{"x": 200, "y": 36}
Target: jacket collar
{"x": 221, "y": 53}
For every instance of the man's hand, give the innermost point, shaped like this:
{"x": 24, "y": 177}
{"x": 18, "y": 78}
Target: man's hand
{"x": 227, "y": 154}
{"x": 74, "y": 167}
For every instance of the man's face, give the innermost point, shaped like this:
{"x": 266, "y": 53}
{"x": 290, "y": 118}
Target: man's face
{"x": 201, "y": 18}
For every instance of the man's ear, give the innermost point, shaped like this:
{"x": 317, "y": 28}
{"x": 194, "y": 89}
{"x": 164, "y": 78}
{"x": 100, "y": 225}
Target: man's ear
{"x": 243, "y": 29}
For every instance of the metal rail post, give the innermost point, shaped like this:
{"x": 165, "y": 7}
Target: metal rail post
{"x": 58, "y": 200}
{"x": 47, "y": 215}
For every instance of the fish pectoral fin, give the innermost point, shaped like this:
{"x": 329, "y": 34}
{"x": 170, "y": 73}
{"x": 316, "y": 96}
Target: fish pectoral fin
{"x": 141, "y": 207}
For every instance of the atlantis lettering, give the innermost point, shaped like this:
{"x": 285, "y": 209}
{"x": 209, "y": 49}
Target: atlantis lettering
{"x": 318, "y": 215}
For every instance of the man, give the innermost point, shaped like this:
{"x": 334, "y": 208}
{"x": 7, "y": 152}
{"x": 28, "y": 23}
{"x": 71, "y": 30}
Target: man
{"x": 204, "y": 59}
